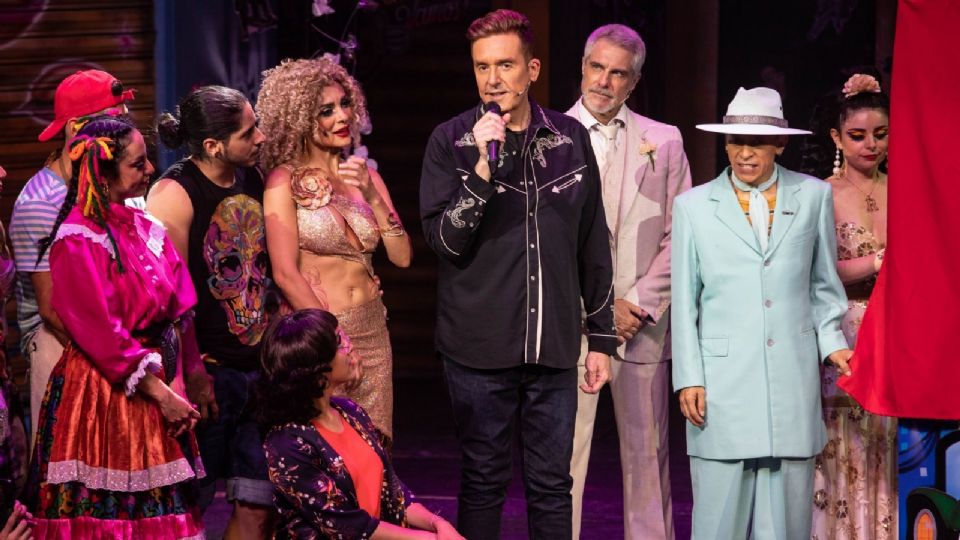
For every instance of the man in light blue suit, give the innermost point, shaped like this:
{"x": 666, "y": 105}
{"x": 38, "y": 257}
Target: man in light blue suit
{"x": 756, "y": 304}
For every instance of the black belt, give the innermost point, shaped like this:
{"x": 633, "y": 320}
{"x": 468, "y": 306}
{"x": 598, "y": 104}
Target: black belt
{"x": 164, "y": 337}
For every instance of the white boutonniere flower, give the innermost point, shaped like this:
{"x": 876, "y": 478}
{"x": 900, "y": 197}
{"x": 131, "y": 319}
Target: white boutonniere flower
{"x": 649, "y": 149}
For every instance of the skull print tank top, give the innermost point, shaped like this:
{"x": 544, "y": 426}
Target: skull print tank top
{"x": 228, "y": 263}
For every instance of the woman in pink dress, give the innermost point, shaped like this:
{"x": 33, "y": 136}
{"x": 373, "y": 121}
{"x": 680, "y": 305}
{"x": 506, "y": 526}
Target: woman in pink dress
{"x": 115, "y": 455}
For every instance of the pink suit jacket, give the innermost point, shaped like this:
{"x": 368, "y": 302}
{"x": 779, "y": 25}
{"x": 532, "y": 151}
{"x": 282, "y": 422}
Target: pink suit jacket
{"x": 652, "y": 169}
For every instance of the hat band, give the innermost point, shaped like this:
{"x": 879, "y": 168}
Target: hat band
{"x": 755, "y": 119}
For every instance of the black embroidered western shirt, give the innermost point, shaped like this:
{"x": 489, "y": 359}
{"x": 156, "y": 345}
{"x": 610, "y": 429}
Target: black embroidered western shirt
{"x": 519, "y": 253}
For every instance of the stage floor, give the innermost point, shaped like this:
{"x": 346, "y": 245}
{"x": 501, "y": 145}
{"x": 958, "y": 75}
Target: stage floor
{"x": 427, "y": 459}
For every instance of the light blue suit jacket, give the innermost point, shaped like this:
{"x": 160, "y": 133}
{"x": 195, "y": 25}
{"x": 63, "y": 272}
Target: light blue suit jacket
{"x": 747, "y": 325}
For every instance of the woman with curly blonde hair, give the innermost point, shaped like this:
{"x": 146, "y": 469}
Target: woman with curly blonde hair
{"x": 326, "y": 213}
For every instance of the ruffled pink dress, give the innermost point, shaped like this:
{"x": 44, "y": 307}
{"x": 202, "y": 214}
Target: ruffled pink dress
{"x": 103, "y": 465}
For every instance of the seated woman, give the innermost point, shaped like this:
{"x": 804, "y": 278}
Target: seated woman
{"x": 115, "y": 455}
{"x": 326, "y": 214}
{"x": 326, "y": 458}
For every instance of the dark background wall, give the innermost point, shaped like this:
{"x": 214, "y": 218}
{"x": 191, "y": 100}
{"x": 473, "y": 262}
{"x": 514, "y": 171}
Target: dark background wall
{"x": 44, "y": 41}
{"x": 41, "y": 43}
{"x": 801, "y": 49}
{"x": 413, "y": 61}
{"x": 414, "y": 65}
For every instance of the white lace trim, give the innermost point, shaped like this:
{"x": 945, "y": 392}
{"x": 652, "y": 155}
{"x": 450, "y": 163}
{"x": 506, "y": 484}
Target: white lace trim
{"x": 150, "y": 362}
{"x": 73, "y": 229}
{"x": 154, "y": 235}
{"x": 167, "y": 474}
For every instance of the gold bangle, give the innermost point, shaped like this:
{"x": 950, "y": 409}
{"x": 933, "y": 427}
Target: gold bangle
{"x": 392, "y": 231}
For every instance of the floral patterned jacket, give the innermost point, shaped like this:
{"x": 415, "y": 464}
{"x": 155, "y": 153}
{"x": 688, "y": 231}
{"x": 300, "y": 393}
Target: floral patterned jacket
{"x": 315, "y": 495}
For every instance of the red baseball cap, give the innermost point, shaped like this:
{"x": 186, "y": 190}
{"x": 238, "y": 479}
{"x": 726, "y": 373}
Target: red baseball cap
{"x": 83, "y": 93}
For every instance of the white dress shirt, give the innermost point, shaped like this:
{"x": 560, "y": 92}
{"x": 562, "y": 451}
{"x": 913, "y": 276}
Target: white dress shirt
{"x": 598, "y": 140}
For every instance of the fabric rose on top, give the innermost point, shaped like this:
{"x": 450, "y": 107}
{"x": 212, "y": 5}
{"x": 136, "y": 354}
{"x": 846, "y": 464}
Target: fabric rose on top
{"x": 311, "y": 189}
{"x": 860, "y": 83}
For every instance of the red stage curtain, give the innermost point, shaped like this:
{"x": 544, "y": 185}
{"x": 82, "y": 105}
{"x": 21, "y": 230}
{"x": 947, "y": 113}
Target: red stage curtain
{"x": 907, "y": 360}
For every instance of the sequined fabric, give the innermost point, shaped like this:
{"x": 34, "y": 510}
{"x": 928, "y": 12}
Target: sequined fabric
{"x": 321, "y": 231}
{"x": 332, "y": 224}
{"x": 853, "y": 241}
{"x": 366, "y": 325}
{"x": 855, "y": 479}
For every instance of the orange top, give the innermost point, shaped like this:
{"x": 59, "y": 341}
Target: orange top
{"x": 743, "y": 197}
{"x": 362, "y": 462}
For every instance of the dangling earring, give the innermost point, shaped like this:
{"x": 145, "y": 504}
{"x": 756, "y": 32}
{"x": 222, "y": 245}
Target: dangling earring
{"x": 836, "y": 163}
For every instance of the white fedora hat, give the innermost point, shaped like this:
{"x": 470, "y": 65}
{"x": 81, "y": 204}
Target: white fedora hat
{"x": 757, "y": 111}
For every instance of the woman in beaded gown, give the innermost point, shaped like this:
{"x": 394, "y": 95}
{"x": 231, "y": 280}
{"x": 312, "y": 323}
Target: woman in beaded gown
{"x": 326, "y": 213}
{"x": 855, "y": 493}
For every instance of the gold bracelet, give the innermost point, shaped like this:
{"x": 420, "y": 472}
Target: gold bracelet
{"x": 392, "y": 231}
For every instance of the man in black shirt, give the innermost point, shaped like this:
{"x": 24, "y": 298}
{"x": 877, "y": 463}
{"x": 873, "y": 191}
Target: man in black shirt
{"x": 521, "y": 242}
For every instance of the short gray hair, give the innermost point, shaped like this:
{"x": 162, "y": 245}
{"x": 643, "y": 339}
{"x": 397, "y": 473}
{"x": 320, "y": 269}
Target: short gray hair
{"x": 622, "y": 36}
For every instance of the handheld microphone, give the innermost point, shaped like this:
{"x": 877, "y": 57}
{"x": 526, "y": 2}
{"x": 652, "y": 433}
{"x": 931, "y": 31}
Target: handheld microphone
{"x": 493, "y": 147}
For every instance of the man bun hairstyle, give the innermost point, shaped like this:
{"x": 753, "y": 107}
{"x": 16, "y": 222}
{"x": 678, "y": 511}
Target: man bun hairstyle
{"x": 168, "y": 129}
{"x": 208, "y": 112}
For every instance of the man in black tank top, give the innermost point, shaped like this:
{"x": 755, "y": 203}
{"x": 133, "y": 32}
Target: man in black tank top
{"x": 228, "y": 263}
{"x": 211, "y": 204}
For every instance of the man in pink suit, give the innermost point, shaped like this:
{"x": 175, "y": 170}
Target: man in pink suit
{"x": 642, "y": 167}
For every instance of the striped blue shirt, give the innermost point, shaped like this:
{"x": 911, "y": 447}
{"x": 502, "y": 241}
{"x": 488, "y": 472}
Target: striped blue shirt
{"x": 34, "y": 214}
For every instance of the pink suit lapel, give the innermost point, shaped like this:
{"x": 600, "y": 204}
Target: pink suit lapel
{"x": 634, "y": 163}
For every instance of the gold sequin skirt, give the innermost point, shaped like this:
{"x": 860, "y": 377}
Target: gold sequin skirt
{"x": 366, "y": 324}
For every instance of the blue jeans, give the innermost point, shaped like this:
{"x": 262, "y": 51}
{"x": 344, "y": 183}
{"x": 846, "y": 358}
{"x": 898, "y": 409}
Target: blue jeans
{"x": 232, "y": 447}
{"x": 486, "y": 407}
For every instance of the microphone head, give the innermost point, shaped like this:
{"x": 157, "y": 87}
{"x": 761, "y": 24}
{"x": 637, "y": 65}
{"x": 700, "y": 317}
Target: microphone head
{"x": 492, "y": 106}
